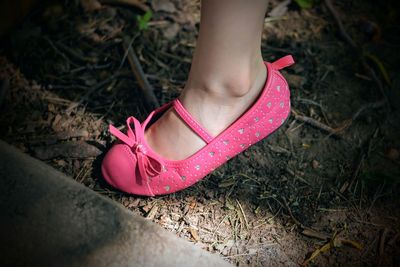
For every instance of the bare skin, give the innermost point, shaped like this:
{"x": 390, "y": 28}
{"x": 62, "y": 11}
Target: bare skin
{"x": 226, "y": 76}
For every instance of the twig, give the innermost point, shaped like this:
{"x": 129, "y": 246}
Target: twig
{"x": 134, "y": 3}
{"x": 58, "y": 51}
{"x": 334, "y": 242}
{"x": 357, "y": 49}
{"x": 57, "y": 100}
{"x": 339, "y": 130}
{"x": 316, "y": 124}
{"x": 244, "y": 215}
{"x": 346, "y": 185}
{"x": 362, "y": 109}
{"x": 308, "y": 101}
{"x": 278, "y": 149}
{"x": 292, "y": 216}
{"x": 343, "y": 32}
{"x": 89, "y": 92}
{"x": 147, "y": 89}
{"x": 315, "y": 234}
{"x": 127, "y": 51}
{"x": 153, "y": 212}
{"x": 359, "y": 163}
{"x": 74, "y": 53}
{"x": 369, "y": 70}
{"x": 374, "y": 105}
{"x": 216, "y": 228}
{"x": 374, "y": 77}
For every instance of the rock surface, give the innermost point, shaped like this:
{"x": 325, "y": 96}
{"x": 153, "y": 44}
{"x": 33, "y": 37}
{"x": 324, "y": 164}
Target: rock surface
{"x": 47, "y": 219}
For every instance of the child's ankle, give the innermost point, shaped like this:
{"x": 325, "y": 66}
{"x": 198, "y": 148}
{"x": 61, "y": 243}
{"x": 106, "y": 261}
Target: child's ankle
{"x": 226, "y": 87}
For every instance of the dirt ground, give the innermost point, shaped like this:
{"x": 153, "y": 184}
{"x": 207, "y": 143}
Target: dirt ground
{"x": 327, "y": 181}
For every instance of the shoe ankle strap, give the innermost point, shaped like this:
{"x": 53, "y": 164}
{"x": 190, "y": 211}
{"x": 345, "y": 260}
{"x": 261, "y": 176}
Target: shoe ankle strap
{"x": 283, "y": 62}
{"x": 191, "y": 122}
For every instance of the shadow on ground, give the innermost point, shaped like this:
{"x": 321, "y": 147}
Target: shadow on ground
{"x": 254, "y": 210}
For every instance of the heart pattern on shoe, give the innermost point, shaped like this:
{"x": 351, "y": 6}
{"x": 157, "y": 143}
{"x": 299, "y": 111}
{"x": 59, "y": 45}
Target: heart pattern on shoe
{"x": 133, "y": 167}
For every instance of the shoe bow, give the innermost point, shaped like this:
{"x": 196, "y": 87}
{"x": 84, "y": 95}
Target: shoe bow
{"x": 148, "y": 164}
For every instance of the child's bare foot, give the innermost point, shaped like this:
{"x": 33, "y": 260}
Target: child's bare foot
{"x": 214, "y": 108}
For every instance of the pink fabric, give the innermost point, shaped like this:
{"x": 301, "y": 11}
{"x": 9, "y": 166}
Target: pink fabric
{"x": 133, "y": 167}
{"x": 283, "y": 62}
{"x": 191, "y": 122}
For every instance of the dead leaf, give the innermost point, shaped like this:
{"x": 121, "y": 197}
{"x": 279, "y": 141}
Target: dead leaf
{"x": 171, "y": 31}
{"x": 152, "y": 213}
{"x": 280, "y": 9}
{"x": 314, "y": 234}
{"x": 55, "y": 124}
{"x": 334, "y": 242}
{"x": 227, "y": 183}
{"x": 315, "y": 164}
{"x": 90, "y": 5}
{"x": 163, "y": 5}
{"x": 147, "y": 207}
{"x": 134, "y": 203}
{"x": 192, "y": 204}
{"x": 305, "y": 146}
{"x": 194, "y": 233}
{"x": 351, "y": 243}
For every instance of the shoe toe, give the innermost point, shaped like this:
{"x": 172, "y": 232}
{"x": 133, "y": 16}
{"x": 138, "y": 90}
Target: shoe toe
{"x": 118, "y": 168}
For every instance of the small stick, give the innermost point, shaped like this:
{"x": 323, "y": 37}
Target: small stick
{"x": 58, "y": 51}
{"x": 315, "y": 123}
{"x": 374, "y": 105}
{"x": 292, "y": 216}
{"x": 337, "y": 131}
{"x": 342, "y": 30}
{"x": 351, "y": 42}
{"x": 374, "y": 77}
{"x": 147, "y": 89}
{"x": 134, "y": 3}
{"x": 89, "y": 92}
{"x": 359, "y": 163}
{"x": 315, "y": 234}
{"x": 365, "y": 107}
{"x": 152, "y": 213}
{"x": 244, "y": 215}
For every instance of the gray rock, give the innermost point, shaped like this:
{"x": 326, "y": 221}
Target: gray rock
{"x": 47, "y": 219}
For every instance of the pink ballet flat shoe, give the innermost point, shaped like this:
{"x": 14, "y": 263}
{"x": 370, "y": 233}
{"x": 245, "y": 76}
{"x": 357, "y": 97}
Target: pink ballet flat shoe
{"x": 133, "y": 167}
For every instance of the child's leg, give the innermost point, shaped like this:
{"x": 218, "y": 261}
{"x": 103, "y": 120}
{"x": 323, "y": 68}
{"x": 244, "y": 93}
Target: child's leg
{"x": 225, "y": 78}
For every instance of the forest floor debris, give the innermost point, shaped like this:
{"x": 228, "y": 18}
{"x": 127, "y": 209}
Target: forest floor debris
{"x": 334, "y": 168}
